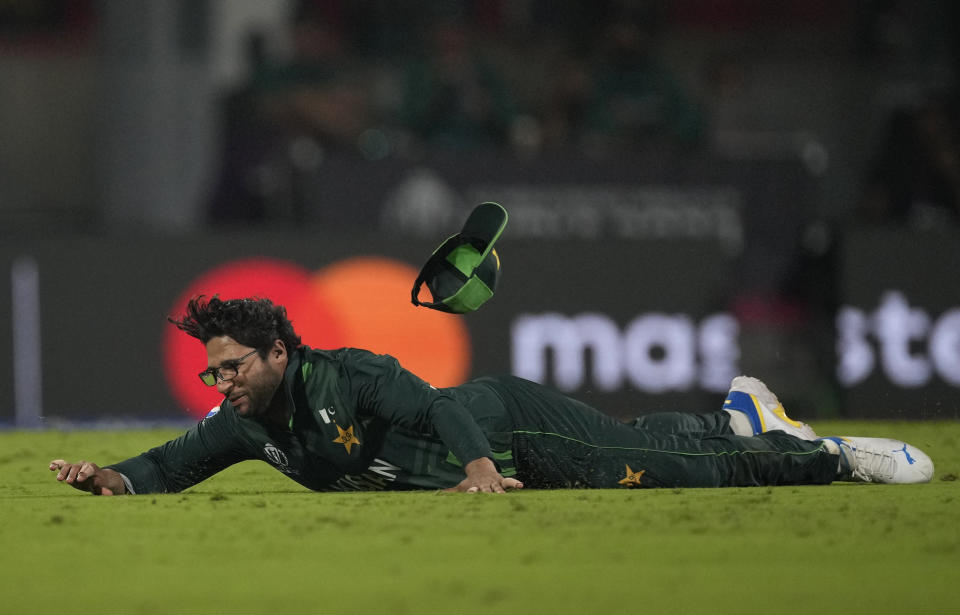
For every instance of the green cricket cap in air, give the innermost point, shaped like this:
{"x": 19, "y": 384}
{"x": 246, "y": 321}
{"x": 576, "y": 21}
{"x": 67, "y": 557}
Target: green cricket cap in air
{"x": 462, "y": 272}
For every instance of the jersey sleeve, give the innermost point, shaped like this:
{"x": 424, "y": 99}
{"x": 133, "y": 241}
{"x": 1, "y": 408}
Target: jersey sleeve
{"x": 387, "y": 390}
{"x": 207, "y": 448}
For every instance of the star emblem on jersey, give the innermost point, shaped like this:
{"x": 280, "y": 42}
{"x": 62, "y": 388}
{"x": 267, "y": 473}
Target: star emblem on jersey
{"x": 347, "y": 438}
{"x": 632, "y": 479}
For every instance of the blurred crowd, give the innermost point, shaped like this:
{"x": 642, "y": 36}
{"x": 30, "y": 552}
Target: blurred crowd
{"x": 461, "y": 74}
{"x": 380, "y": 79}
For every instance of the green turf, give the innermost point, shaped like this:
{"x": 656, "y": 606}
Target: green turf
{"x": 251, "y": 541}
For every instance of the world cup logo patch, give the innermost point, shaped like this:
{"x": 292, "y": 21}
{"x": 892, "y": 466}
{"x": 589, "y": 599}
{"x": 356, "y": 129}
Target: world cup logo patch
{"x": 276, "y": 456}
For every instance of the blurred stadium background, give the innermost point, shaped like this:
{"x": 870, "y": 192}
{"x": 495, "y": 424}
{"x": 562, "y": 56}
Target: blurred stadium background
{"x": 696, "y": 189}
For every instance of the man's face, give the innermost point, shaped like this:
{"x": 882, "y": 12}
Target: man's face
{"x": 257, "y": 380}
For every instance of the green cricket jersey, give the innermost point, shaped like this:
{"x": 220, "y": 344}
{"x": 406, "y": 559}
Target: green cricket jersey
{"x": 360, "y": 421}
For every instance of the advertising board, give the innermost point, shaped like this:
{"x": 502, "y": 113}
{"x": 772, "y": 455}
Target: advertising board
{"x": 627, "y": 326}
{"x": 898, "y": 324}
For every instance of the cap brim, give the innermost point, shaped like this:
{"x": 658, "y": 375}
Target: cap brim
{"x": 484, "y": 226}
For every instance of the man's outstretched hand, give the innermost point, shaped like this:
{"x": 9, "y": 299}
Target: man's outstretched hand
{"x": 483, "y": 477}
{"x": 88, "y": 476}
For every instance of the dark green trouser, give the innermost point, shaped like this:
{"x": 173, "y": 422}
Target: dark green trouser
{"x": 561, "y": 442}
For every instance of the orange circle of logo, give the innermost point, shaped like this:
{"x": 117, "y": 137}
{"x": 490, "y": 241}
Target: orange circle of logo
{"x": 362, "y": 302}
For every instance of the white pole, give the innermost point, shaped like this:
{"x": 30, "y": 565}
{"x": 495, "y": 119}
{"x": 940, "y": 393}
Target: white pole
{"x": 27, "y": 374}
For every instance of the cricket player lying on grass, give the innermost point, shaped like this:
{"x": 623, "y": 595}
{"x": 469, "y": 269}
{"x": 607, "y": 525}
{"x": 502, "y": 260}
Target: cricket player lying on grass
{"x": 348, "y": 419}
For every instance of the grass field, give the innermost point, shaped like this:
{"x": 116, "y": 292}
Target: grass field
{"x": 251, "y": 541}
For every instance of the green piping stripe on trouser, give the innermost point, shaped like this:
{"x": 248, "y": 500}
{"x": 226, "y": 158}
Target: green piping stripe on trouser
{"x": 653, "y": 450}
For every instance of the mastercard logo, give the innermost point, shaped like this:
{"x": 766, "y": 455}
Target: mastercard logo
{"x": 362, "y": 302}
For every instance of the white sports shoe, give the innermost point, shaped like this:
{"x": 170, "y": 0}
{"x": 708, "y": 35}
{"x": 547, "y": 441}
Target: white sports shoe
{"x": 763, "y": 409}
{"x": 879, "y": 460}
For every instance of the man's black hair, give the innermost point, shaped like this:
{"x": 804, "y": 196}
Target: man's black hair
{"x": 253, "y": 322}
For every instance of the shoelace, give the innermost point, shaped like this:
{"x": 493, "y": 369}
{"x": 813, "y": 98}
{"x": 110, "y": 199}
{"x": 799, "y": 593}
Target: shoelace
{"x": 872, "y": 464}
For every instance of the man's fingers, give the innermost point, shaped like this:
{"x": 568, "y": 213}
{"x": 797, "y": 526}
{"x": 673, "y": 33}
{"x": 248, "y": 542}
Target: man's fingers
{"x": 507, "y": 484}
{"x": 57, "y": 465}
{"x": 87, "y": 470}
{"x": 492, "y": 486}
{"x": 81, "y": 471}
{"x": 511, "y": 483}
{"x": 87, "y": 476}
